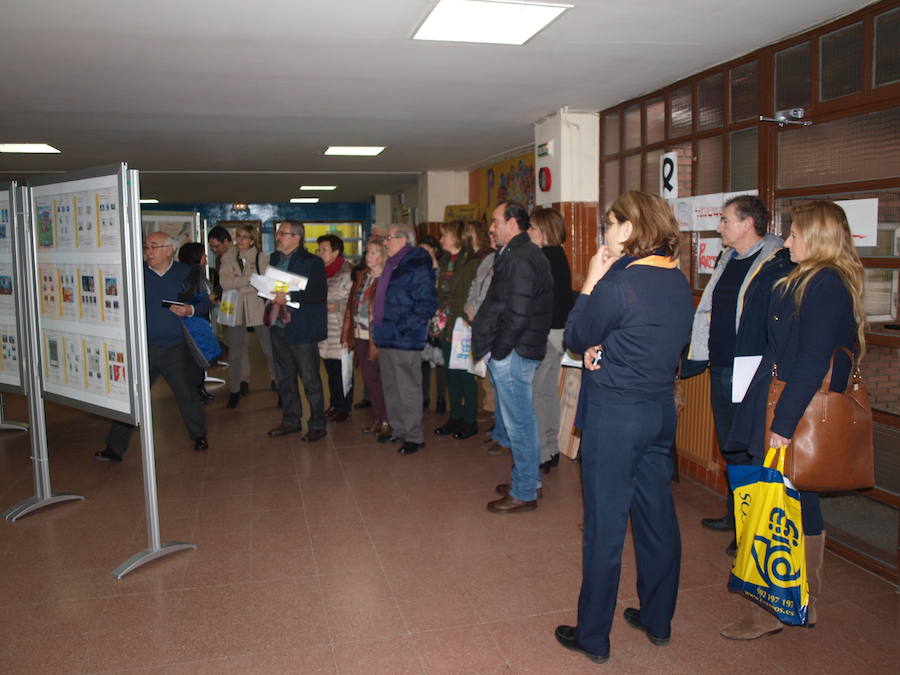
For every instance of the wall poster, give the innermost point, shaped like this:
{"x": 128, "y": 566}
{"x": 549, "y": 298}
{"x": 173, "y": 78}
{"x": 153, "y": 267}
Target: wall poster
{"x": 183, "y": 226}
{"x": 10, "y": 365}
{"x": 79, "y": 227}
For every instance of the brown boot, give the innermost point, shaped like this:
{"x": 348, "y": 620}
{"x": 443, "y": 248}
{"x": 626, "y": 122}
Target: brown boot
{"x": 815, "y": 552}
{"x": 754, "y": 622}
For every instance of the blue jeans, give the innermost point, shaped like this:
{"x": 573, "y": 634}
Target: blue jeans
{"x": 513, "y": 378}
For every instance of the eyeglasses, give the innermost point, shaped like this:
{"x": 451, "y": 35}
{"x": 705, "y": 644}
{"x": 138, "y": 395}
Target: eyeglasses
{"x": 393, "y": 236}
{"x": 156, "y": 247}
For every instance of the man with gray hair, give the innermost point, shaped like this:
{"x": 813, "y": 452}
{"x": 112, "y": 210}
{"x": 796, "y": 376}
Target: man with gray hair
{"x": 405, "y": 299}
{"x": 167, "y": 353}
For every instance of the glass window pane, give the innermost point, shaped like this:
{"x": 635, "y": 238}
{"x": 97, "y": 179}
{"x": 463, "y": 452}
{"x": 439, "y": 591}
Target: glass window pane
{"x": 651, "y": 172}
{"x": 709, "y": 165}
{"x": 743, "y": 174}
{"x": 710, "y": 102}
{"x": 632, "y": 173}
{"x": 610, "y": 182}
{"x": 887, "y": 47}
{"x": 745, "y": 91}
{"x": 792, "y": 77}
{"x": 685, "y": 167}
{"x": 656, "y": 120}
{"x": 864, "y": 147}
{"x": 681, "y": 115}
{"x": 841, "y": 62}
{"x": 633, "y": 126}
{"x": 611, "y": 133}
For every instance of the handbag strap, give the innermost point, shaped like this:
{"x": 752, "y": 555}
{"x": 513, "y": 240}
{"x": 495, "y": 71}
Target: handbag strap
{"x": 855, "y": 376}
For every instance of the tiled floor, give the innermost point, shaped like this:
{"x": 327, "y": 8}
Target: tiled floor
{"x": 344, "y": 557}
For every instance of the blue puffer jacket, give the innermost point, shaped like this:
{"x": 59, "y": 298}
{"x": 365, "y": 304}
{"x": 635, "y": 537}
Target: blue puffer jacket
{"x": 411, "y": 301}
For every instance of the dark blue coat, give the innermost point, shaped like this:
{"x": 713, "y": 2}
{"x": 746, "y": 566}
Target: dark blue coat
{"x": 801, "y": 343}
{"x": 410, "y": 302}
{"x": 310, "y": 322}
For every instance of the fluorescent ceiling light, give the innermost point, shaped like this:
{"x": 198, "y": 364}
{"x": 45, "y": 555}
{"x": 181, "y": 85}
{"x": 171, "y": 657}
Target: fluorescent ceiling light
{"x": 27, "y": 147}
{"x": 501, "y": 22}
{"x": 318, "y": 187}
{"x": 355, "y": 150}
{"x": 305, "y": 200}
{"x": 149, "y": 201}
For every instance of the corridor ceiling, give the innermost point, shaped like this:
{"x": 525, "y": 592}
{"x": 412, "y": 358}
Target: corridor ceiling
{"x": 236, "y": 100}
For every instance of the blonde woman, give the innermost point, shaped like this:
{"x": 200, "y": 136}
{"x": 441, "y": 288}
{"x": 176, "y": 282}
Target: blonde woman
{"x": 238, "y": 264}
{"x": 815, "y": 309}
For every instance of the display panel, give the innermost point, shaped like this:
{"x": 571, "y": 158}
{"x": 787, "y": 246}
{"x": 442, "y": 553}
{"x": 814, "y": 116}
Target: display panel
{"x": 79, "y": 240}
{"x": 10, "y": 342}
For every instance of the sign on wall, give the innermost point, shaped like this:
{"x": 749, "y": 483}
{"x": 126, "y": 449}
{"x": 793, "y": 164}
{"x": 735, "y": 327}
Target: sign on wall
{"x": 668, "y": 175}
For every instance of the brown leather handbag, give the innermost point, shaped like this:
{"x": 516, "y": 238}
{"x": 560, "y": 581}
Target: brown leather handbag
{"x": 831, "y": 449}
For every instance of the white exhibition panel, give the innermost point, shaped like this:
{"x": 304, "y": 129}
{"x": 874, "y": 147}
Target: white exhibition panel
{"x": 10, "y": 352}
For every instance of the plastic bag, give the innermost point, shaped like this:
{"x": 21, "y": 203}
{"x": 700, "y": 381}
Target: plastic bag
{"x": 770, "y": 567}
{"x": 228, "y": 308}
{"x": 346, "y": 369}
{"x": 461, "y": 347}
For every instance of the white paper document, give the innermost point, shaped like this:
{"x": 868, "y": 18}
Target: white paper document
{"x": 277, "y": 281}
{"x": 741, "y": 375}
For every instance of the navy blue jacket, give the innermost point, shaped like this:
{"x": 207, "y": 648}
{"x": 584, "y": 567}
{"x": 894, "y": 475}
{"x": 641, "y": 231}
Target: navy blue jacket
{"x": 410, "y": 302}
{"x": 164, "y": 329}
{"x": 642, "y": 316}
{"x": 309, "y": 323}
{"x": 801, "y": 343}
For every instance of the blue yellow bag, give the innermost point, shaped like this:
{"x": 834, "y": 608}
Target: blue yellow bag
{"x": 770, "y": 566}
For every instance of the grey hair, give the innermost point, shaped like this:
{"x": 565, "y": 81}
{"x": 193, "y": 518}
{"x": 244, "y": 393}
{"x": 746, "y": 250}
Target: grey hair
{"x": 170, "y": 240}
{"x": 408, "y": 232}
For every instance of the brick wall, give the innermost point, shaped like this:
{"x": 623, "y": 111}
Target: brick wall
{"x": 881, "y": 371}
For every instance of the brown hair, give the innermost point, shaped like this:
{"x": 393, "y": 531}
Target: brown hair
{"x": 477, "y": 237}
{"x": 252, "y": 231}
{"x": 653, "y": 224}
{"x": 826, "y": 233}
{"x": 551, "y": 224}
{"x": 455, "y": 229}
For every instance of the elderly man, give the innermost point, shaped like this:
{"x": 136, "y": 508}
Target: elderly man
{"x": 730, "y": 320}
{"x": 511, "y": 327}
{"x": 167, "y": 353}
{"x": 296, "y": 333}
{"x": 405, "y": 300}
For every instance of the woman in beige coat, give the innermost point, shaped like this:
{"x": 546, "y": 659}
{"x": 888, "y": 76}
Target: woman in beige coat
{"x": 239, "y": 263}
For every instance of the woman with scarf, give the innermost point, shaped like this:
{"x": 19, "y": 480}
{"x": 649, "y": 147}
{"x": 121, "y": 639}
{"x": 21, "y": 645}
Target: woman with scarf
{"x": 357, "y": 333}
{"x": 632, "y": 321}
{"x": 337, "y": 272}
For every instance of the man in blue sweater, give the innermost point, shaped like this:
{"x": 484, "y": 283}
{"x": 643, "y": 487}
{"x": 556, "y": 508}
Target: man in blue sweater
{"x": 167, "y": 353}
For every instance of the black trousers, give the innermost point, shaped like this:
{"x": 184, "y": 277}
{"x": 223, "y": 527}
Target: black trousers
{"x": 292, "y": 361}
{"x": 179, "y": 370}
{"x": 339, "y": 402}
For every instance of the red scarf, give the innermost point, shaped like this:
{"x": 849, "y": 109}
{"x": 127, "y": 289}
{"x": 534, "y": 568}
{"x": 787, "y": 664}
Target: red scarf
{"x": 334, "y": 267}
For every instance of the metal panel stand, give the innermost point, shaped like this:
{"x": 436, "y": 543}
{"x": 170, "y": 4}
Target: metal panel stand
{"x": 155, "y": 549}
{"x": 6, "y": 425}
{"x": 43, "y": 492}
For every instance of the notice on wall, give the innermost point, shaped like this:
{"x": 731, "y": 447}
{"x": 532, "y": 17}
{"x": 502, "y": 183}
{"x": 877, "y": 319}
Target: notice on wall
{"x": 702, "y": 213}
{"x": 80, "y": 295}
{"x": 862, "y": 216}
{"x": 9, "y": 339}
{"x": 708, "y": 251}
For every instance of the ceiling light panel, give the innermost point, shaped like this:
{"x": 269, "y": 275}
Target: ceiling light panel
{"x": 355, "y": 150}
{"x": 27, "y": 147}
{"x": 502, "y": 22}
{"x": 318, "y": 187}
{"x": 305, "y": 200}
{"x": 149, "y": 201}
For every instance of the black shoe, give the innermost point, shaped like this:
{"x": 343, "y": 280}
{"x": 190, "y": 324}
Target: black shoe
{"x": 723, "y": 524}
{"x": 410, "y": 448}
{"x": 107, "y": 455}
{"x": 362, "y": 405}
{"x": 340, "y": 416}
{"x": 448, "y": 428}
{"x": 732, "y": 548}
{"x": 389, "y": 438}
{"x": 441, "y": 407}
{"x": 314, "y": 435}
{"x": 550, "y": 463}
{"x": 633, "y": 617}
{"x": 204, "y": 395}
{"x": 200, "y": 443}
{"x": 565, "y": 635}
{"x": 466, "y": 431}
{"x": 245, "y": 388}
{"x": 331, "y": 412}
{"x": 283, "y": 430}
{"x": 233, "y": 401}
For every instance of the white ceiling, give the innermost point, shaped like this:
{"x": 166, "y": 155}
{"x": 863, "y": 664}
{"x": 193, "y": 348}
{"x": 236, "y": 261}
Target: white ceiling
{"x": 206, "y": 97}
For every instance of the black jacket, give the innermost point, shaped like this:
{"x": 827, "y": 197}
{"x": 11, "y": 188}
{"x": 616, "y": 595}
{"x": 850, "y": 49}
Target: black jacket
{"x": 518, "y": 307}
{"x": 309, "y": 323}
